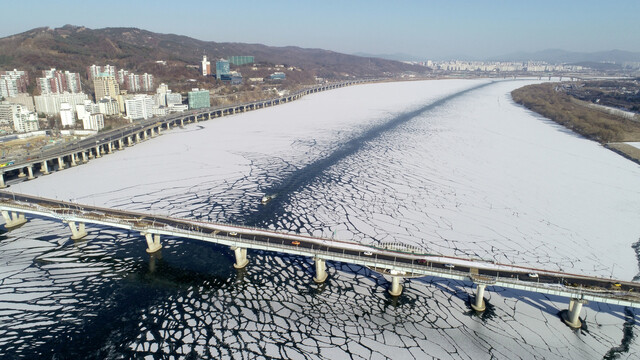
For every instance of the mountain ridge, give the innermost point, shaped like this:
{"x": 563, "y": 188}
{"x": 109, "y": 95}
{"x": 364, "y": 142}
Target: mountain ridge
{"x": 76, "y": 47}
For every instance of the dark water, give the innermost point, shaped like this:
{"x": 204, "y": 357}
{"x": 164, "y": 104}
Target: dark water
{"x": 106, "y": 298}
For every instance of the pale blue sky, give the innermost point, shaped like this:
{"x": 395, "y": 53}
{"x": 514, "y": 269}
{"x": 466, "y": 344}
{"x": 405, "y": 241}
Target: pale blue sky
{"x": 429, "y": 29}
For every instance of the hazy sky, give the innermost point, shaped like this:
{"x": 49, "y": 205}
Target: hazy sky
{"x": 429, "y": 29}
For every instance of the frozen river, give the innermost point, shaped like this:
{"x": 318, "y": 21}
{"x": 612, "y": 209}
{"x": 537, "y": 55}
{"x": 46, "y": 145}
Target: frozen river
{"x": 450, "y": 166}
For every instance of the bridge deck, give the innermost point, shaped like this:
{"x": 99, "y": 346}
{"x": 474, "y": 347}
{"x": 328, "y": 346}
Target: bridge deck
{"x": 402, "y": 264}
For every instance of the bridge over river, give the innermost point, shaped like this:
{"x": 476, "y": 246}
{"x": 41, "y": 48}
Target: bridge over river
{"x": 395, "y": 262}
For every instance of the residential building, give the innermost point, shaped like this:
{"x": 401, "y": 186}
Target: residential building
{"x": 56, "y": 82}
{"x": 94, "y": 71}
{"x": 108, "y": 106}
{"x": 241, "y": 60}
{"x": 67, "y": 115}
{"x": 199, "y": 99}
{"x": 146, "y": 81}
{"x": 13, "y": 82}
{"x": 93, "y": 122}
{"x": 135, "y": 83}
{"x": 22, "y": 119}
{"x": 140, "y": 107}
{"x": 206, "y": 66}
{"x": 122, "y": 75}
{"x": 161, "y": 94}
{"x": 106, "y": 86}
{"x": 49, "y": 104}
{"x": 222, "y": 68}
{"x": 23, "y": 99}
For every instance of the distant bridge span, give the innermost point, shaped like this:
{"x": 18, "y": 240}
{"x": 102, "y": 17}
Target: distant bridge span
{"x": 392, "y": 262}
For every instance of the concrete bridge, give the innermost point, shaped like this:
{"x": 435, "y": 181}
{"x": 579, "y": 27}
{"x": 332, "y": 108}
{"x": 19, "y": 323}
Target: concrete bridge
{"x": 395, "y": 261}
{"x": 82, "y": 151}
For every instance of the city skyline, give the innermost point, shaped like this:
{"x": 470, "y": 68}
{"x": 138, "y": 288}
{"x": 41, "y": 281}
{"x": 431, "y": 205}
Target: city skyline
{"x": 429, "y": 30}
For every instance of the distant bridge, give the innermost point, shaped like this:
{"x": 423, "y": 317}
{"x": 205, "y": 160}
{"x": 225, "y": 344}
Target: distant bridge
{"x": 397, "y": 263}
{"x": 80, "y": 152}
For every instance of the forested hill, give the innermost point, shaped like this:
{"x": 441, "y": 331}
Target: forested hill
{"x": 74, "y": 48}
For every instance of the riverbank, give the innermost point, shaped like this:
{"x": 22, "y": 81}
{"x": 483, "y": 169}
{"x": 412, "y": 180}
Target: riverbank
{"x": 611, "y": 130}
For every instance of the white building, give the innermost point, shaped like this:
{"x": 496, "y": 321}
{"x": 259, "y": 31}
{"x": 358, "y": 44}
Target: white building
{"x": 23, "y": 120}
{"x": 108, "y": 106}
{"x": 67, "y": 115}
{"x": 50, "y": 104}
{"x": 161, "y": 94}
{"x": 140, "y": 107}
{"x": 206, "y": 66}
{"x": 174, "y": 99}
{"x": 93, "y": 122}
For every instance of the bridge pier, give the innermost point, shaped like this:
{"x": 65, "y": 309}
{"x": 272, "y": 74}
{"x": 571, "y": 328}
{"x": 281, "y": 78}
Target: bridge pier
{"x": 110, "y": 148}
{"x": 73, "y": 160}
{"x": 2, "y": 184}
{"x": 30, "y": 171}
{"x": 321, "y": 270}
{"x": 241, "y": 257}
{"x": 137, "y": 138}
{"x": 479, "y": 305}
{"x": 396, "y": 288}
{"x": 144, "y": 135}
{"x": 77, "y": 233}
{"x": 21, "y": 173}
{"x": 13, "y": 220}
{"x": 84, "y": 157}
{"x": 153, "y": 242}
{"x": 98, "y": 152}
{"x": 129, "y": 141}
{"x": 60, "y": 163}
{"x": 45, "y": 168}
{"x": 120, "y": 144}
{"x": 572, "y": 316}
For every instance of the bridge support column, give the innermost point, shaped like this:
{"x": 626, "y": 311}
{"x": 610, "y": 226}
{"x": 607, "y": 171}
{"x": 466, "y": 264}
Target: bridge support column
{"x": 321, "y": 270}
{"x": 572, "y": 316}
{"x": 137, "y": 138}
{"x": 479, "y": 304}
{"x": 110, "y": 148}
{"x": 30, "y": 171}
{"x": 98, "y": 152}
{"x": 396, "y": 288}
{"x": 73, "y": 160}
{"x": 84, "y": 157}
{"x": 2, "y": 184}
{"x": 45, "y": 168}
{"x": 241, "y": 257}
{"x": 144, "y": 135}
{"x": 60, "y": 164}
{"x": 77, "y": 233}
{"x": 153, "y": 242}
{"x": 120, "y": 144}
{"x": 129, "y": 141}
{"x": 153, "y": 132}
{"x": 181, "y": 122}
{"x": 21, "y": 173}
{"x": 12, "y": 220}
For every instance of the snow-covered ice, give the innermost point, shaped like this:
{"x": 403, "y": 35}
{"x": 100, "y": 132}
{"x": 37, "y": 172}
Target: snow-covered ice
{"x": 450, "y": 166}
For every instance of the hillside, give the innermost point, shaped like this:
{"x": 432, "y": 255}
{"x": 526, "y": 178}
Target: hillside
{"x": 74, "y": 48}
